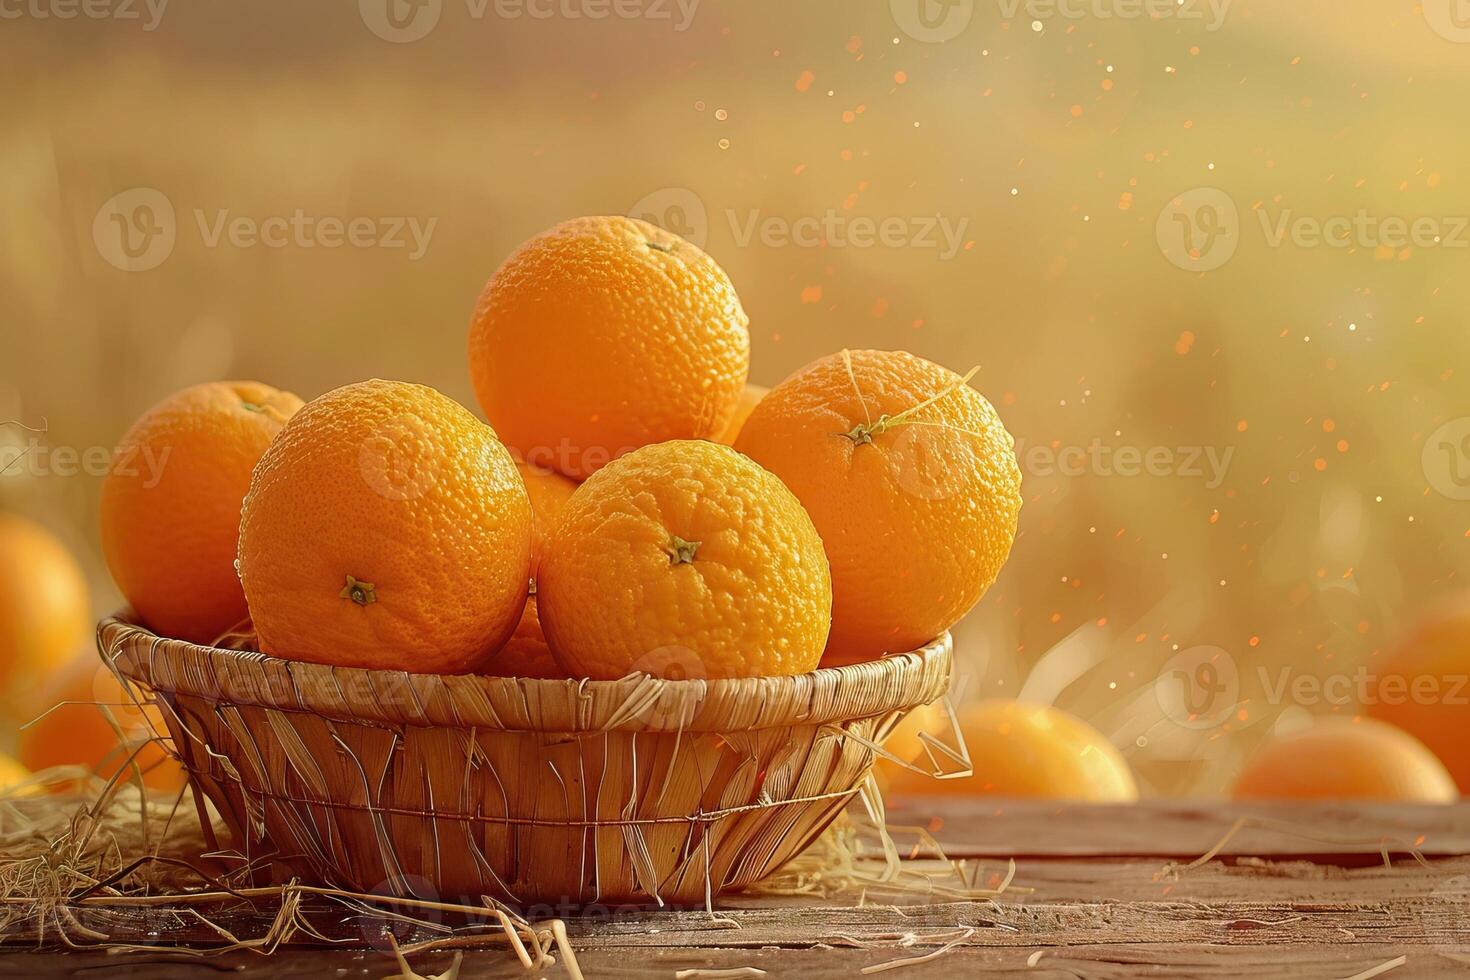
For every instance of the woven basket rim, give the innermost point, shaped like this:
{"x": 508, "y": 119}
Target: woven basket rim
{"x": 634, "y": 703}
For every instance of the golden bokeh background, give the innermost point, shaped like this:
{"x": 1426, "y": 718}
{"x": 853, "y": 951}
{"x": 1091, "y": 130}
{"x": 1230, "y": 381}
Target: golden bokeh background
{"x": 1056, "y": 151}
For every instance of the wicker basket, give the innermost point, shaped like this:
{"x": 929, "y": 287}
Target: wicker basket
{"x": 527, "y": 791}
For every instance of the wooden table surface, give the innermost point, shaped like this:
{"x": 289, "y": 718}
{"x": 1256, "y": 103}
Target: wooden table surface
{"x": 1300, "y": 891}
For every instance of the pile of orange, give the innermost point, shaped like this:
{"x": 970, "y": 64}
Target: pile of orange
{"x": 644, "y": 509}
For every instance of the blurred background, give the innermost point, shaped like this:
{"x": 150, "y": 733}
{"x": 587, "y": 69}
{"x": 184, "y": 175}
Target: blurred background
{"x": 1211, "y": 259}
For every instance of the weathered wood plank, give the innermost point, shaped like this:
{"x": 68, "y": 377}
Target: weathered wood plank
{"x": 1107, "y": 961}
{"x": 1183, "y": 829}
{"x": 1303, "y": 919}
{"x": 1095, "y": 908}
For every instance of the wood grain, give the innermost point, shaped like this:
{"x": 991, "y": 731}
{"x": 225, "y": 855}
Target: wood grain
{"x": 1099, "y": 892}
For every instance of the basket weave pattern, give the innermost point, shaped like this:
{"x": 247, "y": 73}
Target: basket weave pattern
{"x": 527, "y": 791}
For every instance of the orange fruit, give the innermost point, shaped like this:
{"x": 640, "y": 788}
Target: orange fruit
{"x": 386, "y": 527}
{"x": 1025, "y": 750}
{"x": 1423, "y": 685}
{"x": 527, "y": 654}
{"x": 905, "y": 740}
{"x": 1345, "y": 759}
{"x": 72, "y": 724}
{"x": 749, "y": 399}
{"x": 12, "y": 774}
{"x": 171, "y": 504}
{"x": 45, "y": 614}
{"x": 910, "y": 478}
{"x": 684, "y": 559}
{"x": 549, "y": 492}
{"x": 640, "y": 331}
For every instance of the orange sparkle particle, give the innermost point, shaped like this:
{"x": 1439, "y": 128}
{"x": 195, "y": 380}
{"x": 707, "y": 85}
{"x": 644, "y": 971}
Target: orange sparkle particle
{"x": 1242, "y": 425}
{"x": 1320, "y": 464}
{"x": 1342, "y": 445}
{"x": 900, "y": 76}
{"x": 811, "y": 294}
{"x": 1328, "y": 425}
{"x": 1076, "y": 112}
{"x": 804, "y": 81}
{"x": 1184, "y": 343}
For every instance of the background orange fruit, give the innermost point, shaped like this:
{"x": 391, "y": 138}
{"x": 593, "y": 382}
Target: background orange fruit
{"x": 639, "y": 332}
{"x": 69, "y": 726}
{"x": 1022, "y": 750}
{"x": 1423, "y": 685}
{"x": 526, "y": 653}
{"x": 12, "y": 774}
{"x": 386, "y": 527}
{"x": 749, "y": 399}
{"x": 45, "y": 614}
{"x": 171, "y": 504}
{"x": 684, "y": 559}
{"x": 1345, "y": 759}
{"x": 910, "y": 478}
